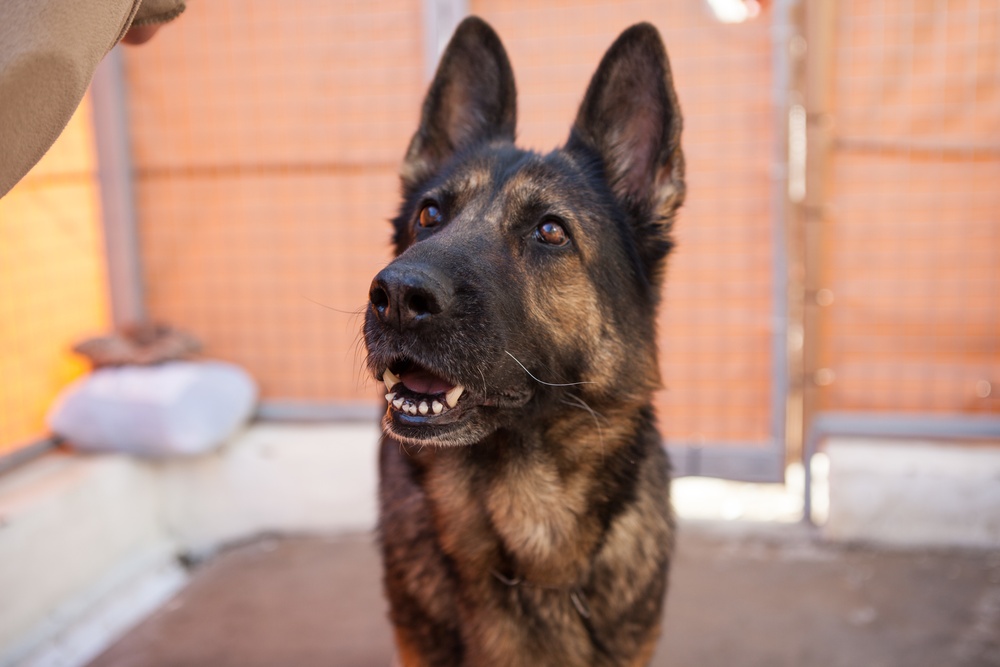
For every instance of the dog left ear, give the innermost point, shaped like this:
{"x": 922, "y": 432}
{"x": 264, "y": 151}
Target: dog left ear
{"x": 472, "y": 99}
{"x": 631, "y": 118}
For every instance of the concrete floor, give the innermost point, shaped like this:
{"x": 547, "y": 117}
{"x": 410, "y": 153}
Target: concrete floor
{"x": 742, "y": 595}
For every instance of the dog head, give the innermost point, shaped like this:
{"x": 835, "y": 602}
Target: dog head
{"x": 520, "y": 278}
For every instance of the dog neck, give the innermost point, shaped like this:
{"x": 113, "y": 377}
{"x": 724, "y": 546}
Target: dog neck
{"x": 524, "y": 506}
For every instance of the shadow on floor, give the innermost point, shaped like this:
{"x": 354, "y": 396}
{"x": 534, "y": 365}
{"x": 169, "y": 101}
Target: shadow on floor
{"x": 769, "y": 596}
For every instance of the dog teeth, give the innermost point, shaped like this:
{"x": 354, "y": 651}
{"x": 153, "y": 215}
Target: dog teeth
{"x": 453, "y": 395}
{"x": 389, "y": 379}
{"x": 428, "y": 406}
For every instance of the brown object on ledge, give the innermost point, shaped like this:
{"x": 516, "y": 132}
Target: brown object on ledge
{"x": 140, "y": 344}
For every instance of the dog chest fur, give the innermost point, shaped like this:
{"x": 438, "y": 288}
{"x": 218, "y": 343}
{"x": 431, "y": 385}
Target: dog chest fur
{"x": 527, "y": 558}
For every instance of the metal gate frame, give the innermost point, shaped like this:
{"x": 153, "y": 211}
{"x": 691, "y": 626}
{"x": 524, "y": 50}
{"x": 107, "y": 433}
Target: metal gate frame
{"x": 816, "y": 73}
{"x": 749, "y": 461}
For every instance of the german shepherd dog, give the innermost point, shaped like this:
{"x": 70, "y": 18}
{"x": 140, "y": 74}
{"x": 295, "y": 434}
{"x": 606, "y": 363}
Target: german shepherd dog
{"x": 525, "y": 518}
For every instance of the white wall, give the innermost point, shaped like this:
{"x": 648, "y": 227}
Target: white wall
{"x": 279, "y": 478}
{"x": 910, "y": 493}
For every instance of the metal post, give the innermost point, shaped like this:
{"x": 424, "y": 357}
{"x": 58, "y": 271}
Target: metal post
{"x": 784, "y": 32}
{"x": 816, "y": 100}
{"x": 441, "y": 17}
{"x": 117, "y": 195}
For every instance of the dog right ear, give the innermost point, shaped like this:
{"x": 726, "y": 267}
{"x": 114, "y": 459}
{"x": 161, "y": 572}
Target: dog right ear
{"x": 472, "y": 99}
{"x": 631, "y": 119}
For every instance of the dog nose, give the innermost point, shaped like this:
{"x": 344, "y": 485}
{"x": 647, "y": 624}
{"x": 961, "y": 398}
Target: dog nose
{"x": 405, "y": 296}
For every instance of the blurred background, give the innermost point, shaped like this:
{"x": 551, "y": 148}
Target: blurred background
{"x": 838, "y": 264}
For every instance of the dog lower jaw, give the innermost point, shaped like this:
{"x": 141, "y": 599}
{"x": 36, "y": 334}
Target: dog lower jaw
{"x": 418, "y": 431}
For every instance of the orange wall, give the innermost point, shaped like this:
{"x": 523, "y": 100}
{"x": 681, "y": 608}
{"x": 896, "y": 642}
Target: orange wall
{"x": 52, "y": 279}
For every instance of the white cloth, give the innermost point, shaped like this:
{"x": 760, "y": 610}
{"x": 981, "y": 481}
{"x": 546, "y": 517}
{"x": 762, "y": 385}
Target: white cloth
{"x": 180, "y": 407}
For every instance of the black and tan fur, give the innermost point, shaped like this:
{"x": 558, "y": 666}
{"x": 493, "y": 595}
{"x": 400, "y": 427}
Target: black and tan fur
{"x": 528, "y": 525}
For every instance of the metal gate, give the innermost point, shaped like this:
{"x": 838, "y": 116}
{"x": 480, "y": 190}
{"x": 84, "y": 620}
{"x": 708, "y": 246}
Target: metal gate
{"x": 901, "y": 221}
{"x": 907, "y": 254}
{"x": 266, "y": 138}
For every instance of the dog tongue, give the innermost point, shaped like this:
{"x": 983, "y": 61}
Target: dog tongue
{"x": 423, "y": 382}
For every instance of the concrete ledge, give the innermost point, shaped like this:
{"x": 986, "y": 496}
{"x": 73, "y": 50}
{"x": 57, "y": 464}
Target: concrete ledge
{"x": 81, "y": 628}
{"x": 89, "y": 544}
{"x": 908, "y": 493}
{"x": 66, "y": 524}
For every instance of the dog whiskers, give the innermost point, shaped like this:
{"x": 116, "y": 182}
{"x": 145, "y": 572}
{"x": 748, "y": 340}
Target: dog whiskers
{"x": 505, "y": 580}
{"x": 577, "y": 402}
{"x": 547, "y": 384}
{"x": 356, "y": 313}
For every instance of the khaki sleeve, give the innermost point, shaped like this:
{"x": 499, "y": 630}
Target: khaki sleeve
{"x": 49, "y": 50}
{"x": 152, "y": 12}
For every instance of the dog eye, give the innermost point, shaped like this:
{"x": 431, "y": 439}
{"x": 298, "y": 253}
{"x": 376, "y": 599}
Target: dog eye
{"x": 551, "y": 233}
{"x": 430, "y": 216}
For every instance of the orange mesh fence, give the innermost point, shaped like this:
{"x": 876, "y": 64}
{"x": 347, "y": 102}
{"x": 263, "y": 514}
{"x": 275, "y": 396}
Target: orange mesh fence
{"x": 267, "y": 138}
{"x": 716, "y": 328}
{"x": 266, "y": 143}
{"x": 911, "y": 254}
{"x": 52, "y": 280}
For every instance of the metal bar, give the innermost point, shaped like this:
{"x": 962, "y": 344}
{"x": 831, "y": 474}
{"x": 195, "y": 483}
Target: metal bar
{"x": 745, "y": 463}
{"x": 318, "y": 411}
{"x": 863, "y": 425}
{"x": 741, "y": 445}
{"x": 782, "y": 32}
{"x": 820, "y": 25}
{"x": 795, "y": 47}
{"x": 27, "y": 452}
{"x": 281, "y": 169}
{"x": 933, "y": 427}
{"x": 117, "y": 195}
{"x": 441, "y": 17}
{"x": 910, "y": 145}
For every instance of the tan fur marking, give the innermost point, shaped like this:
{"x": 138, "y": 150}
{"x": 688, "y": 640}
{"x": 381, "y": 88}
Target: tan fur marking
{"x": 458, "y": 516}
{"x": 539, "y": 518}
{"x": 503, "y": 640}
{"x": 407, "y": 656}
{"x": 646, "y": 652}
{"x": 474, "y": 178}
